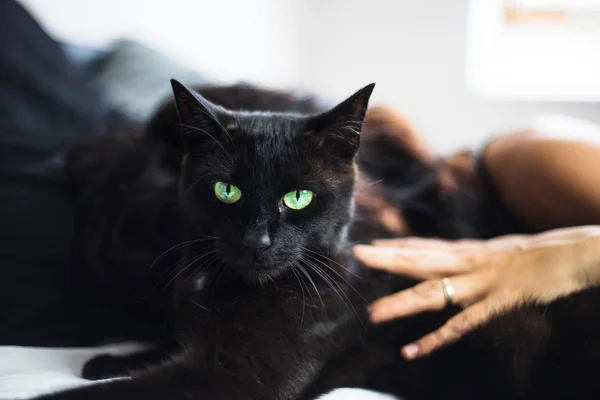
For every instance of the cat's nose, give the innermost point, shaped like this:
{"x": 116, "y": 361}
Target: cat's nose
{"x": 257, "y": 240}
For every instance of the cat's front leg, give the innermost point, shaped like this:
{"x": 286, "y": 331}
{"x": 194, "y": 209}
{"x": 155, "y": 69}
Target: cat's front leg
{"x": 176, "y": 383}
{"x": 109, "y": 366}
{"x": 183, "y": 379}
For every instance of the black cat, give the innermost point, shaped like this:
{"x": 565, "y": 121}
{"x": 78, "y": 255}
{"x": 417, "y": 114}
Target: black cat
{"x": 266, "y": 200}
{"x": 268, "y": 302}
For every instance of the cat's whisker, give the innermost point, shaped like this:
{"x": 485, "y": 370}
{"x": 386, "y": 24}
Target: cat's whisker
{"x": 200, "y": 305}
{"x": 189, "y": 190}
{"x": 353, "y": 126}
{"x": 351, "y": 129}
{"x": 332, "y": 191}
{"x": 373, "y": 183}
{"x": 303, "y": 270}
{"x": 343, "y": 292}
{"x": 325, "y": 276}
{"x": 206, "y": 265}
{"x": 312, "y": 299}
{"x": 195, "y": 128}
{"x": 219, "y": 275}
{"x": 182, "y": 244}
{"x": 337, "y": 273}
{"x": 292, "y": 268}
{"x": 331, "y": 260}
{"x": 217, "y": 271}
{"x": 322, "y": 275}
{"x": 212, "y": 278}
{"x": 331, "y": 282}
{"x": 212, "y": 117}
{"x": 167, "y": 273}
{"x": 188, "y": 266}
{"x": 206, "y": 237}
{"x": 346, "y": 300}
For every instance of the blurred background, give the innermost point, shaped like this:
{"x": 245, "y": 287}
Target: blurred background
{"x": 459, "y": 70}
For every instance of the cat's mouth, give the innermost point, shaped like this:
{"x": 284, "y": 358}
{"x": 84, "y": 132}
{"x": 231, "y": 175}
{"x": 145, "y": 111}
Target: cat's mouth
{"x": 259, "y": 273}
{"x": 255, "y": 267}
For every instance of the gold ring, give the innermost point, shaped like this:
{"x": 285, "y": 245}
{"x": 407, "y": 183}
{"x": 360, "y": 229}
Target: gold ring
{"x": 448, "y": 290}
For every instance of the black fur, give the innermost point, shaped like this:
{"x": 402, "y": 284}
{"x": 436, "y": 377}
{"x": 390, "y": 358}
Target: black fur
{"x": 259, "y": 329}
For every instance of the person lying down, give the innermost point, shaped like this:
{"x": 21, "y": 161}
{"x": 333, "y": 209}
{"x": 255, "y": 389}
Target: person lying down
{"x": 456, "y": 174}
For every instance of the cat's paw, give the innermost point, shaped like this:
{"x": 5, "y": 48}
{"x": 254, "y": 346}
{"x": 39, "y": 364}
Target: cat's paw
{"x": 103, "y": 367}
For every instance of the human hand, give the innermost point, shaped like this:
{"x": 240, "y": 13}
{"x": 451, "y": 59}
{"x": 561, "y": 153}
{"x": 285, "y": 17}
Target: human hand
{"x": 484, "y": 277}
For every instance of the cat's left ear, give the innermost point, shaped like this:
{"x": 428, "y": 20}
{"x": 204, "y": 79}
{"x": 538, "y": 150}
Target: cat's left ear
{"x": 339, "y": 128}
{"x": 199, "y": 118}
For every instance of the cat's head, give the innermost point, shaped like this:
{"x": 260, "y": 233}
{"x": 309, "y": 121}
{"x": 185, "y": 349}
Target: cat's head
{"x": 269, "y": 188}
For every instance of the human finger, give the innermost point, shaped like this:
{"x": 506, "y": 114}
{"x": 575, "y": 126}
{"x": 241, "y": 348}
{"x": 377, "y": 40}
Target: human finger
{"x": 428, "y": 296}
{"x": 454, "y": 329}
{"x": 416, "y": 263}
{"x": 458, "y": 246}
{"x": 430, "y": 244}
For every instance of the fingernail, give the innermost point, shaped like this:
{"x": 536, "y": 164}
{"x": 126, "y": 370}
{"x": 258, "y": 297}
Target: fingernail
{"x": 360, "y": 249}
{"x": 373, "y": 314}
{"x": 376, "y": 313}
{"x": 410, "y": 351}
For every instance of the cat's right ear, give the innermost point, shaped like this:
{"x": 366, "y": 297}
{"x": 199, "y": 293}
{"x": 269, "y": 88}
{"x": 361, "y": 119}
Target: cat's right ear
{"x": 198, "y": 117}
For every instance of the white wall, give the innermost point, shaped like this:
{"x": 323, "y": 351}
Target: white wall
{"x": 414, "y": 49}
{"x": 228, "y": 39}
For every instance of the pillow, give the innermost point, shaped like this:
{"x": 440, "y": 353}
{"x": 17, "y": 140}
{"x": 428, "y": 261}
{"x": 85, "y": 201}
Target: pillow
{"x": 136, "y": 78}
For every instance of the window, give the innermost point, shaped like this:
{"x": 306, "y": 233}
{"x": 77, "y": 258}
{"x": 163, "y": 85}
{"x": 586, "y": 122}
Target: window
{"x": 545, "y": 50}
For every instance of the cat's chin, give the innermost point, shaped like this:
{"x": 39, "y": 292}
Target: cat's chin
{"x": 265, "y": 277}
{"x": 259, "y": 274}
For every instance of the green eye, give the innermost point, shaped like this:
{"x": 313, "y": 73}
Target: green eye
{"x": 227, "y": 193}
{"x": 298, "y": 199}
